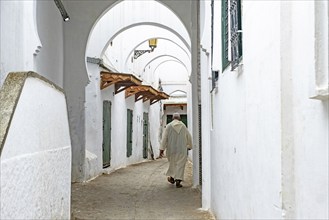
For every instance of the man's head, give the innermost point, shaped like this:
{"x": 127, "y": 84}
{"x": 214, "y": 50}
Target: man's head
{"x": 176, "y": 116}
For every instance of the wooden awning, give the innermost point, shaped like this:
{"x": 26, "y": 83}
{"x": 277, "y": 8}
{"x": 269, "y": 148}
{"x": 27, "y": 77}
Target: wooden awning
{"x": 145, "y": 92}
{"x": 121, "y": 81}
{"x": 161, "y": 95}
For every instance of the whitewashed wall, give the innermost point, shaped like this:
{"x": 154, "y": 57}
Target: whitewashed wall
{"x": 19, "y": 36}
{"x": 49, "y": 61}
{"x": 310, "y": 117}
{"x": 246, "y": 152}
{"x": 205, "y": 69}
{"x": 269, "y": 143}
{"x": 94, "y": 126}
{"x": 36, "y": 158}
{"x": 156, "y": 120}
{"x": 31, "y": 39}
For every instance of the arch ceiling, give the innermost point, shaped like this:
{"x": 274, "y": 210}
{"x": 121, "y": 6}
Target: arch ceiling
{"x": 149, "y": 73}
{"x": 178, "y": 93}
{"x": 163, "y": 58}
{"x": 123, "y": 45}
{"x": 171, "y": 71}
{"x": 116, "y": 35}
{"x": 116, "y": 20}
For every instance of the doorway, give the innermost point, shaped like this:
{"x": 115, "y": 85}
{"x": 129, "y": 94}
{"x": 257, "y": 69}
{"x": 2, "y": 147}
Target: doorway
{"x": 145, "y": 134}
{"x": 183, "y": 118}
{"x": 106, "y": 133}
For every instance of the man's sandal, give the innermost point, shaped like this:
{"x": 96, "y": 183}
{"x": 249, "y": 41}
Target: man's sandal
{"x": 178, "y": 185}
{"x": 171, "y": 180}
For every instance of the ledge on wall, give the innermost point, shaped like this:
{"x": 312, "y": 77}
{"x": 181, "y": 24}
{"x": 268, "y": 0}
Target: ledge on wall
{"x": 179, "y": 105}
{"x": 321, "y": 94}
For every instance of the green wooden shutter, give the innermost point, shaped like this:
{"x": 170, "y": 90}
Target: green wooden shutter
{"x": 240, "y": 27}
{"x": 106, "y": 133}
{"x": 225, "y": 61}
{"x": 169, "y": 118}
{"x": 129, "y": 132}
{"x": 184, "y": 119}
{"x": 145, "y": 134}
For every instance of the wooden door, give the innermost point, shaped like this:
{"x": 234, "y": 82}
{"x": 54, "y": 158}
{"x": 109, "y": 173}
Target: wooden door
{"x": 145, "y": 134}
{"x": 129, "y": 132}
{"x": 183, "y": 119}
{"x": 106, "y": 133}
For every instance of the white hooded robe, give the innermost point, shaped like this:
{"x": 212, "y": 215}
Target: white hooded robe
{"x": 176, "y": 140}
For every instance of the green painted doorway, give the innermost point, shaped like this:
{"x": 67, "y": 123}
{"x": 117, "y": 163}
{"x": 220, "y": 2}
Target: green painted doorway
{"x": 106, "y": 133}
{"x": 129, "y": 132}
{"x": 145, "y": 134}
{"x": 183, "y": 118}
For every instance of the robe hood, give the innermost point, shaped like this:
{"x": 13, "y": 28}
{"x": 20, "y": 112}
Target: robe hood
{"x": 177, "y": 125}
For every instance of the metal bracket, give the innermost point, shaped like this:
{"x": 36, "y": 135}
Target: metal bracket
{"x": 95, "y": 60}
{"x": 138, "y": 53}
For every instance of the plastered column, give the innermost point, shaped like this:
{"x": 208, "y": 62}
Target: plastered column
{"x": 287, "y": 129}
{"x": 195, "y": 90}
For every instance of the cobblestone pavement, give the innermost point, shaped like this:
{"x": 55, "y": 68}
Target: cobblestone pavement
{"x": 137, "y": 192}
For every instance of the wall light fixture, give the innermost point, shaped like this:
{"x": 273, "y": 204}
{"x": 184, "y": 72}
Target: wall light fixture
{"x": 62, "y": 10}
{"x": 152, "y": 44}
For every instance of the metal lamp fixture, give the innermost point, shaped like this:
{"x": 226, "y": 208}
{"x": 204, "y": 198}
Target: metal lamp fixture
{"x": 62, "y": 10}
{"x": 152, "y": 45}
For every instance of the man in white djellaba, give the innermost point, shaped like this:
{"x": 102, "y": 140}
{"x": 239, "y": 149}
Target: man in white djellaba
{"x": 176, "y": 140}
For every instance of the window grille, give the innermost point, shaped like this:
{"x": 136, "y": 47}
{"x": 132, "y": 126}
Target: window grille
{"x": 235, "y": 33}
{"x": 231, "y": 9}
{"x": 225, "y": 61}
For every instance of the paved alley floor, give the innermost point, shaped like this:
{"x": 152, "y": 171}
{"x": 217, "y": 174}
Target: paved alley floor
{"x": 137, "y": 192}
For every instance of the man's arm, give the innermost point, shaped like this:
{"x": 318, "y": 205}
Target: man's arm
{"x": 164, "y": 143}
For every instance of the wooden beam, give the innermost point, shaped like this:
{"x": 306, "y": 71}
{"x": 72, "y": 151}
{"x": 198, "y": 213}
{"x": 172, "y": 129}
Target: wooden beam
{"x": 132, "y": 86}
{"x": 181, "y": 105}
{"x": 144, "y": 92}
{"x": 121, "y": 80}
{"x": 161, "y": 95}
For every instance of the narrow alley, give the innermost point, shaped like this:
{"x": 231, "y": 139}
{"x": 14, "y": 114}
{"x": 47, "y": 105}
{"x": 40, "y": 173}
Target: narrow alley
{"x": 88, "y": 89}
{"x": 137, "y": 192}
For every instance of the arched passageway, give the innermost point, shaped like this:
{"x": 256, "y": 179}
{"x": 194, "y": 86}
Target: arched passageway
{"x": 114, "y": 43}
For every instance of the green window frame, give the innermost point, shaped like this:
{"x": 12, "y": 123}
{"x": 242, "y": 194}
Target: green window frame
{"x": 225, "y": 61}
{"x": 232, "y": 38}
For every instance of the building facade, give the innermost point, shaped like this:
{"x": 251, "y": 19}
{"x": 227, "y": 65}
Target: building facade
{"x": 267, "y": 114}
